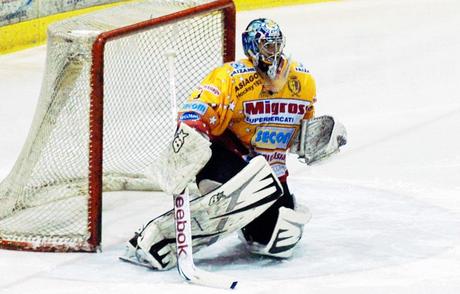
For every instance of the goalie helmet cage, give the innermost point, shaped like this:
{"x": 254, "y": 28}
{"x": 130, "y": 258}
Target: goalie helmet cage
{"x": 105, "y": 92}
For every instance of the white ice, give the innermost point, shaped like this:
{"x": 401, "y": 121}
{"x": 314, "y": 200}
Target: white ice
{"x": 386, "y": 210}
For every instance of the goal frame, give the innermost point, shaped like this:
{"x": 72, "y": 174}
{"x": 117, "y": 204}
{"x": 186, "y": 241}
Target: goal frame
{"x": 96, "y": 115}
{"x": 97, "y": 98}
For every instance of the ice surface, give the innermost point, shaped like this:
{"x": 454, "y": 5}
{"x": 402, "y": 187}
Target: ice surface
{"x": 386, "y": 210}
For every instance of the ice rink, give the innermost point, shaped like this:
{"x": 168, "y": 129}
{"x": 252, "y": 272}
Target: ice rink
{"x": 386, "y": 210}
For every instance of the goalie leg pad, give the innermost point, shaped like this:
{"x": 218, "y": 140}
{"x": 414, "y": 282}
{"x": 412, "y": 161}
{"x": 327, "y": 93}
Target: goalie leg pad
{"x": 214, "y": 216}
{"x": 286, "y": 234}
{"x": 150, "y": 249}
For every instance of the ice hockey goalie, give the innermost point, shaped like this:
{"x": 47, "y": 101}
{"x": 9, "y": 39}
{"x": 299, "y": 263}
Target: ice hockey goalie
{"x": 233, "y": 137}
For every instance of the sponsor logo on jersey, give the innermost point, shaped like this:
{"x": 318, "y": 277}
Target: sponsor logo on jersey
{"x": 240, "y": 68}
{"x": 245, "y": 82}
{"x": 273, "y": 157}
{"x": 189, "y": 116}
{"x": 242, "y": 71}
{"x": 279, "y": 111}
{"x": 195, "y": 106}
{"x": 272, "y": 137}
{"x": 209, "y": 88}
{"x": 301, "y": 68}
{"x": 294, "y": 86}
{"x": 247, "y": 85}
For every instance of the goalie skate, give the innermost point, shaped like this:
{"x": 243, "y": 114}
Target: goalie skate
{"x": 214, "y": 215}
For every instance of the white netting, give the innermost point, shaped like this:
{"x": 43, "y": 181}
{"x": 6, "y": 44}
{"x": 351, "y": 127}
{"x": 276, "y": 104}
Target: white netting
{"x": 44, "y": 200}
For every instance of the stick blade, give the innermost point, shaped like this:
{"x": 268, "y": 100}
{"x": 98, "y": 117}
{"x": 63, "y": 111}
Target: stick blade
{"x": 200, "y": 277}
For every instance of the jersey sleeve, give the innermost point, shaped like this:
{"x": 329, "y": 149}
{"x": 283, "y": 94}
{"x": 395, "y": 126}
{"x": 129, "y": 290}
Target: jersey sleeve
{"x": 209, "y": 105}
{"x": 310, "y": 84}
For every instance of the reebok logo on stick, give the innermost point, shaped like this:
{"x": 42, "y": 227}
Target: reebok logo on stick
{"x": 181, "y": 222}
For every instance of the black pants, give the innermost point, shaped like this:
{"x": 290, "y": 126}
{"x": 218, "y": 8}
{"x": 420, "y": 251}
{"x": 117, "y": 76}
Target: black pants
{"x": 223, "y": 165}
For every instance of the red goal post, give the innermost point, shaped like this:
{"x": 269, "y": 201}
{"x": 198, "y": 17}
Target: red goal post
{"x": 97, "y": 94}
{"x": 34, "y": 176}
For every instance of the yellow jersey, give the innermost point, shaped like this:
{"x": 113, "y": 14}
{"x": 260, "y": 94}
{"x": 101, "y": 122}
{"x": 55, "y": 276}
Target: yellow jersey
{"x": 236, "y": 97}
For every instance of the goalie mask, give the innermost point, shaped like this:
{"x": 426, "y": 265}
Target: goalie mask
{"x": 263, "y": 43}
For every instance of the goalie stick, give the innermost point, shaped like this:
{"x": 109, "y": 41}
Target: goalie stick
{"x": 185, "y": 264}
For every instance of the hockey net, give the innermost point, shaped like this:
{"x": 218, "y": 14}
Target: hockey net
{"x": 104, "y": 114}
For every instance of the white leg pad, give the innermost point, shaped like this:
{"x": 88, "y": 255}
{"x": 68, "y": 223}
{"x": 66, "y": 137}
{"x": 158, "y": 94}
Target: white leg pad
{"x": 214, "y": 215}
{"x": 287, "y": 233}
{"x": 165, "y": 257}
{"x": 150, "y": 249}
